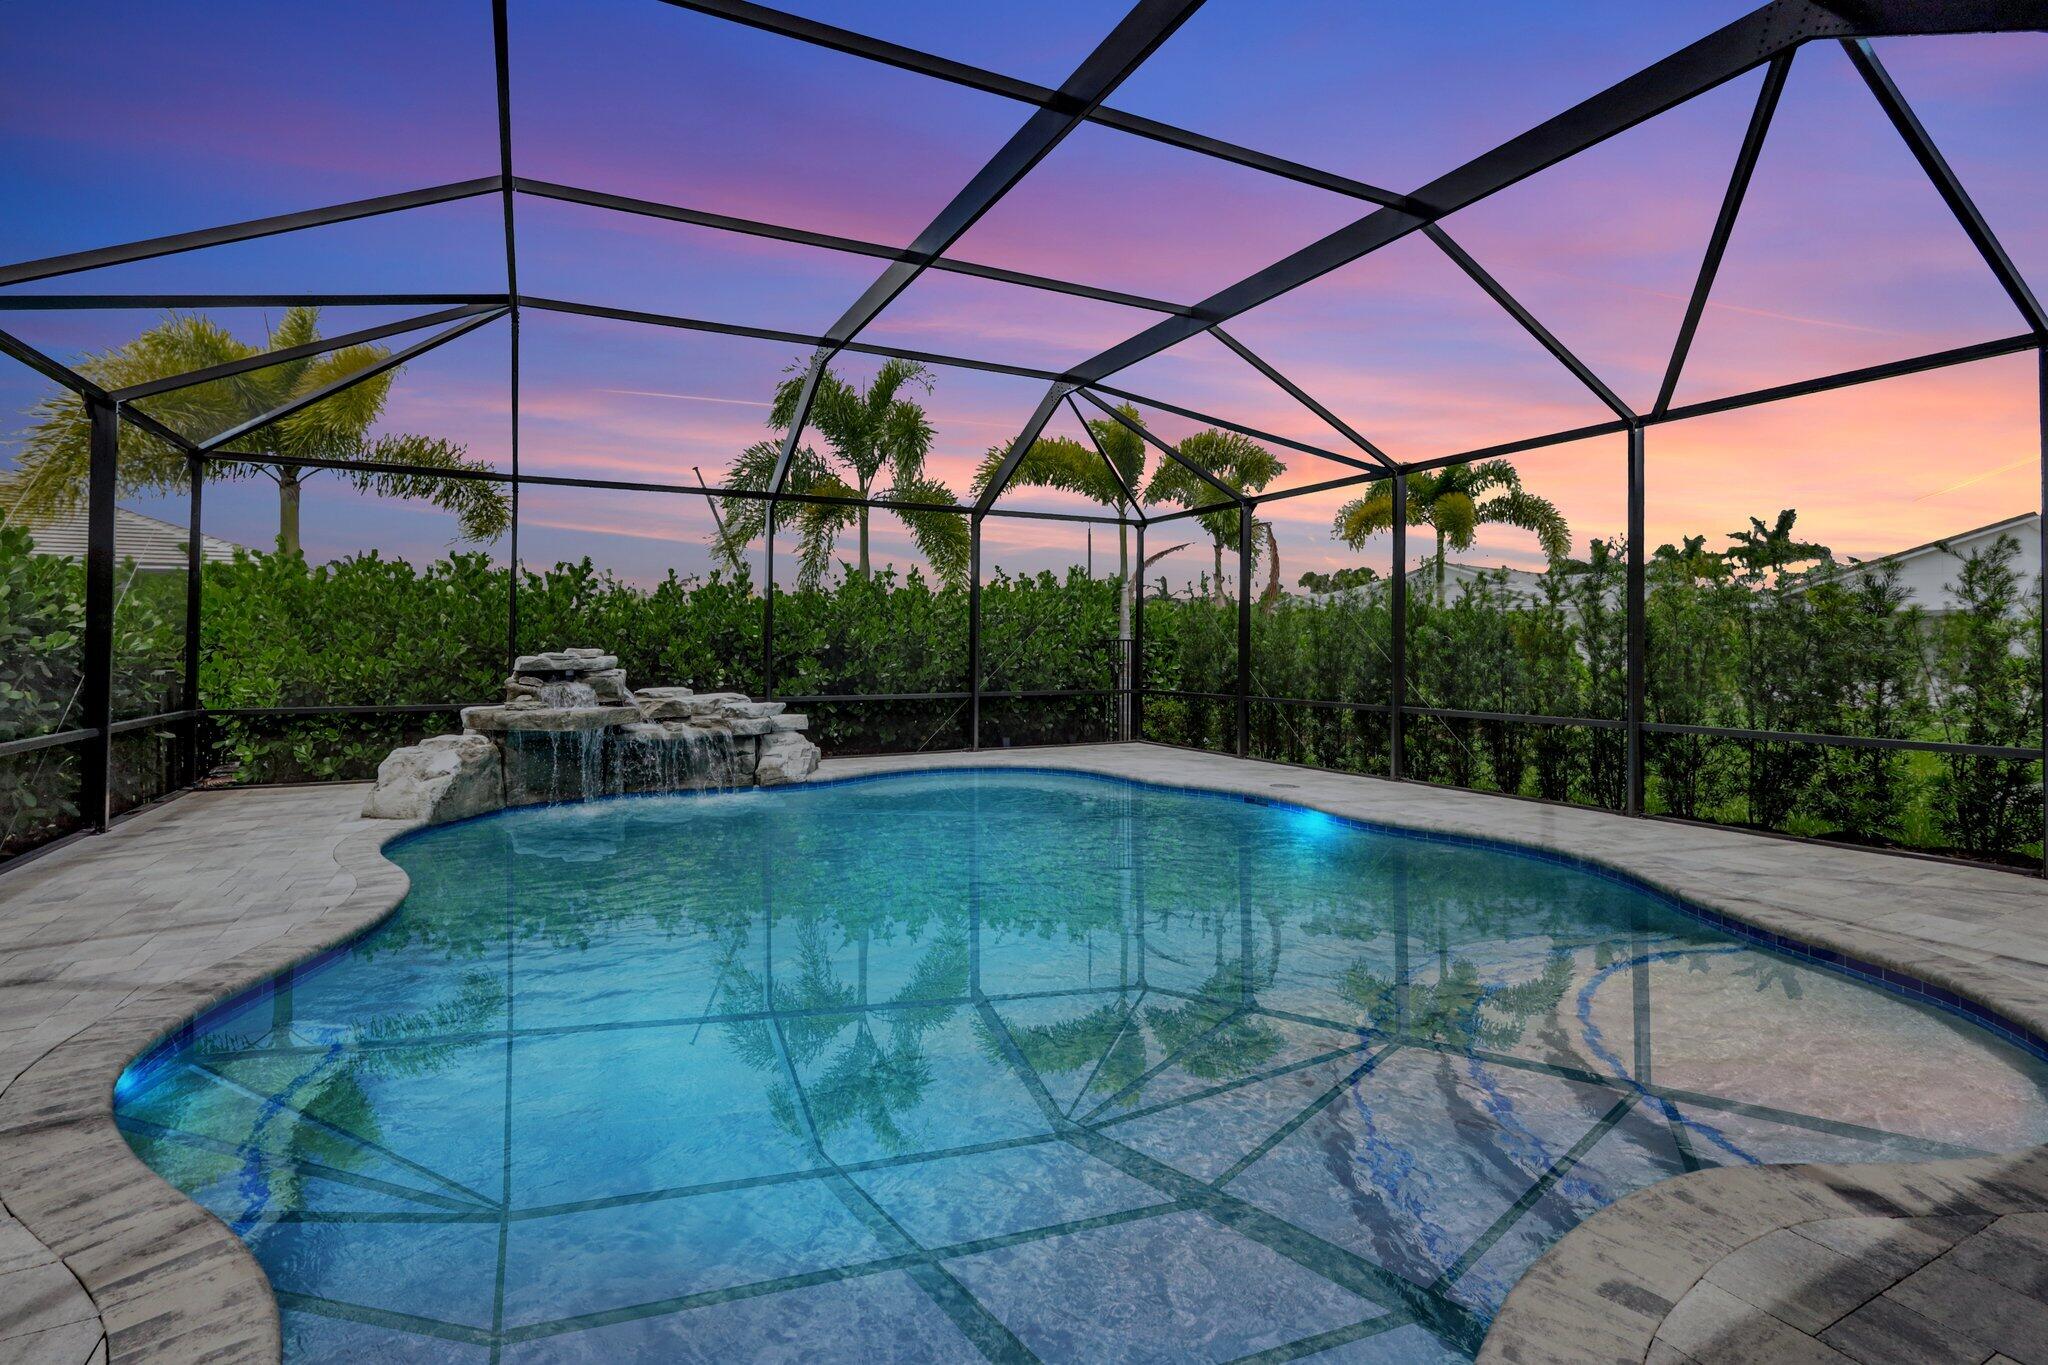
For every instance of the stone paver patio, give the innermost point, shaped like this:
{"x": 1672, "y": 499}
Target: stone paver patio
{"x": 107, "y": 943}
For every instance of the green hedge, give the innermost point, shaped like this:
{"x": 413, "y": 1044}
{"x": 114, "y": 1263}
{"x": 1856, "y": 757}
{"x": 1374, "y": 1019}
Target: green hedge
{"x": 42, "y": 633}
{"x": 1838, "y": 655}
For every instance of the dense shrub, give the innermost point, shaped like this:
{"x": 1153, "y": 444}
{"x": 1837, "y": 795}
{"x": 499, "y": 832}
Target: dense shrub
{"x": 1731, "y": 642}
{"x": 42, "y": 633}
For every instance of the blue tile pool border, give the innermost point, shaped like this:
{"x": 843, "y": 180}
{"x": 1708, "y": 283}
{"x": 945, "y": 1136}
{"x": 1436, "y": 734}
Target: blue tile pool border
{"x": 138, "y": 1072}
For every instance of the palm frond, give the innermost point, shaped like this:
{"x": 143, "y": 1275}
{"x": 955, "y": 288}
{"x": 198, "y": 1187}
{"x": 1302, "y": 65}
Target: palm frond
{"x": 1491, "y": 474}
{"x": 55, "y": 451}
{"x": 482, "y": 507}
{"x": 1054, "y": 462}
{"x": 334, "y": 427}
{"x": 782, "y": 408}
{"x": 299, "y": 326}
{"x": 818, "y": 524}
{"x": 1125, "y": 448}
{"x": 1364, "y": 517}
{"x": 903, "y": 439}
{"x": 840, "y": 418}
{"x": 1456, "y": 518}
{"x": 742, "y": 519}
{"x": 1530, "y": 512}
{"x": 889, "y": 381}
{"x": 942, "y": 537}
{"x": 1234, "y": 459}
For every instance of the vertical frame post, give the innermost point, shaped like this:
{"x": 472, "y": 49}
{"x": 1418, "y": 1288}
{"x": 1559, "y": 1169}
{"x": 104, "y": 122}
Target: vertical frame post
{"x": 501, "y": 47}
{"x": 974, "y": 630}
{"x": 1137, "y": 591}
{"x": 1244, "y": 628}
{"x": 2041, "y": 367}
{"x": 1637, "y": 635}
{"x": 512, "y": 545}
{"x": 1397, "y": 738}
{"x": 768, "y": 607}
{"x": 195, "y": 474}
{"x": 96, "y": 690}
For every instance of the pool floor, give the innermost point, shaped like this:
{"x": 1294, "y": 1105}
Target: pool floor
{"x": 1001, "y": 1065}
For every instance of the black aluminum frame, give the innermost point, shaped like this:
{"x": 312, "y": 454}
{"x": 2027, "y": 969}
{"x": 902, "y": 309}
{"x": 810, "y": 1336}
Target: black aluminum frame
{"x": 1769, "y": 37}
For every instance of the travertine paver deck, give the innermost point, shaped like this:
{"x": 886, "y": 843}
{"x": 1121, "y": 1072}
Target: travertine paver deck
{"x": 105, "y": 944}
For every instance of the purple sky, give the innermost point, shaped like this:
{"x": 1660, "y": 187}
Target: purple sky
{"x": 188, "y": 115}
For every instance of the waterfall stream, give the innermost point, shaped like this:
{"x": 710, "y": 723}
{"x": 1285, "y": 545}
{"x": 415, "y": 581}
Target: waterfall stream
{"x": 555, "y": 765}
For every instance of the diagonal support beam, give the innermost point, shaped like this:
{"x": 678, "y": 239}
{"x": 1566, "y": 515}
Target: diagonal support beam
{"x": 1130, "y": 493}
{"x": 1136, "y": 37}
{"x": 1168, "y": 449}
{"x": 1496, "y": 291}
{"x": 1724, "y": 225}
{"x": 794, "y": 437}
{"x": 1721, "y": 56}
{"x": 1300, "y": 396}
{"x": 283, "y": 355}
{"x": 69, "y": 378}
{"x": 150, "y": 248}
{"x": 349, "y": 381}
{"x": 1937, "y": 169}
{"x": 50, "y": 369}
{"x": 1019, "y": 448}
{"x": 1207, "y": 419}
{"x": 903, "y": 58}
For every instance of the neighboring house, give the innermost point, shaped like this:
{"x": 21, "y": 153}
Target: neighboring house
{"x": 1459, "y": 579}
{"x": 152, "y": 544}
{"x": 1926, "y": 571}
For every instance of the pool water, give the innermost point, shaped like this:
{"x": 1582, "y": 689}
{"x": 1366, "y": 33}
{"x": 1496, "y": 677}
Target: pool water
{"x": 1006, "y": 1064}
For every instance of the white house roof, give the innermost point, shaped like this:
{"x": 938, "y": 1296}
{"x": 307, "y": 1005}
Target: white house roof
{"x": 2021, "y": 528}
{"x": 150, "y": 542}
{"x": 1926, "y": 573}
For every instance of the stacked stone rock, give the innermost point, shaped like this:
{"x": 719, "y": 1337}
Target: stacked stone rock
{"x": 570, "y": 728}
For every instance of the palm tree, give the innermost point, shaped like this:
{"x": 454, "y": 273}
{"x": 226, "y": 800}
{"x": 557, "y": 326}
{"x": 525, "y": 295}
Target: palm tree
{"x": 1238, "y": 462}
{"x": 1762, "y": 549}
{"x": 1065, "y": 463}
{"x": 1448, "y": 501}
{"x": 1459, "y": 1007}
{"x": 56, "y": 452}
{"x": 867, "y": 431}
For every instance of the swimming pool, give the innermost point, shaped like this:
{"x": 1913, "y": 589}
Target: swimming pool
{"x": 1001, "y": 1063}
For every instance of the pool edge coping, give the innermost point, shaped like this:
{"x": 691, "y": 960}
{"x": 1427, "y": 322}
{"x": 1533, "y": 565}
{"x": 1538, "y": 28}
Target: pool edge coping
{"x": 136, "y": 1243}
{"x": 64, "y": 1099}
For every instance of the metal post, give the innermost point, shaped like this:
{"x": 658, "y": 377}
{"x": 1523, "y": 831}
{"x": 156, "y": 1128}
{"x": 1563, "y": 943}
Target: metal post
{"x": 974, "y": 631}
{"x": 1397, "y": 739}
{"x": 502, "y": 50}
{"x": 768, "y": 611}
{"x": 512, "y": 547}
{"x": 1137, "y": 681}
{"x": 1636, "y": 635}
{"x": 195, "y": 473}
{"x": 1244, "y": 627}
{"x": 2041, "y": 357}
{"x": 96, "y": 689}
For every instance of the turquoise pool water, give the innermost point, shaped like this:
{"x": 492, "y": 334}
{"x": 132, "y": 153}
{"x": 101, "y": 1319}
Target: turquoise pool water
{"x": 1006, "y": 1064}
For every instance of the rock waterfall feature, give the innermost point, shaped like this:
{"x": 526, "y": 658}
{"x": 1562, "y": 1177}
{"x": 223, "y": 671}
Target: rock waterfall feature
{"x": 569, "y": 728}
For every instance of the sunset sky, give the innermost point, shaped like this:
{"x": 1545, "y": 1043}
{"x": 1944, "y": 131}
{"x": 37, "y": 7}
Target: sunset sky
{"x": 122, "y": 121}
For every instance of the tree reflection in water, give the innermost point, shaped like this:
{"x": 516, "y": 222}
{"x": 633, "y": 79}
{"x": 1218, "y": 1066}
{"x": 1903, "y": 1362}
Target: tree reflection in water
{"x": 1012, "y": 1028}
